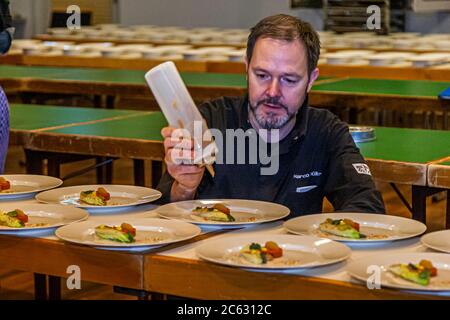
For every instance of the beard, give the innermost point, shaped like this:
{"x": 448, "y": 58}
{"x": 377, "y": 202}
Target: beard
{"x": 271, "y": 120}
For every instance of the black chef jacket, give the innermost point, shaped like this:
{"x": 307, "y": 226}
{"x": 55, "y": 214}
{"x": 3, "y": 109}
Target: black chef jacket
{"x": 317, "y": 159}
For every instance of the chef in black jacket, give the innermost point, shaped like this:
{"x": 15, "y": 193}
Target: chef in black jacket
{"x": 315, "y": 154}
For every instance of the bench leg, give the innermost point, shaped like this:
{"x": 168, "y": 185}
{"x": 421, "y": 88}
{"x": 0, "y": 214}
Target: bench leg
{"x": 40, "y": 286}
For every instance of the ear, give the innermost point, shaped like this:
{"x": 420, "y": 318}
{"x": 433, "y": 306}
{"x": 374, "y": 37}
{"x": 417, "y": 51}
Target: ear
{"x": 314, "y": 75}
{"x": 246, "y": 66}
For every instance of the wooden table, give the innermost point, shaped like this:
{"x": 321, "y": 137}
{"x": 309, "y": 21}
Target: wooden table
{"x": 364, "y": 71}
{"x": 439, "y": 177}
{"x": 176, "y": 270}
{"x": 194, "y": 278}
{"x": 343, "y": 94}
{"x": 102, "y": 62}
{"x": 112, "y": 83}
{"x": 394, "y": 157}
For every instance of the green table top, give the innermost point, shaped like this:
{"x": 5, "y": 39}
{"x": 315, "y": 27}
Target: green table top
{"x": 33, "y": 117}
{"x": 118, "y": 76}
{"x": 407, "y": 145}
{"x": 17, "y": 72}
{"x": 410, "y": 88}
{"x": 146, "y": 127}
{"x": 398, "y": 144}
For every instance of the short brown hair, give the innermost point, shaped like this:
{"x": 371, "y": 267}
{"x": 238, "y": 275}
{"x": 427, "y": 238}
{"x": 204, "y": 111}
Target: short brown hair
{"x": 288, "y": 28}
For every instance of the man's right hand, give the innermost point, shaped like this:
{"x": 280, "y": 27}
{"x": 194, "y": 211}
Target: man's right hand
{"x": 179, "y": 150}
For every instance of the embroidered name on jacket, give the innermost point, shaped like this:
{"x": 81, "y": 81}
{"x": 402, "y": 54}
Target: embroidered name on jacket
{"x": 362, "y": 168}
{"x": 307, "y": 175}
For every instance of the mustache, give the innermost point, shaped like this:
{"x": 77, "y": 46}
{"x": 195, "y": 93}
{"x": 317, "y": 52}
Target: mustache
{"x": 273, "y": 101}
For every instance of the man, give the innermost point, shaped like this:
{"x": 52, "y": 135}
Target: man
{"x": 317, "y": 155}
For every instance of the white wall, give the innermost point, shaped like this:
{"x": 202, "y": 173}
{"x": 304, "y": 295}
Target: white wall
{"x": 207, "y": 13}
{"x": 432, "y": 22}
{"x": 36, "y": 13}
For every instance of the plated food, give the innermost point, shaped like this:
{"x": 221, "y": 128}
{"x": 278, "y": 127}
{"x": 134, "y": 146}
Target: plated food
{"x": 279, "y": 251}
{"x": 24, "y": 185}
{"x": 100, "y": 198}
{"x": 5, "y": 185}
{"x": 345, "y": 228}
{"x": 216, "y": 212}
{"x": 223, "y": 213}
{"x": 258, "y": 254}
{"x": 135, "y": 233}
{"x": 13, "y": 219}
{"x": 35, "y": 217}
{"x": 95, "y": 198}
{"x": 422, "y": 271}
{"x": 356, "y": 227}
{"x": 124, "y": 233}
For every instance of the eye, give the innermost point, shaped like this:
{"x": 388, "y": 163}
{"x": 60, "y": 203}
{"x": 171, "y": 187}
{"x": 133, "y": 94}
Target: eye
{"x": 289, "y": 81}
{"x": 262, "y": 76}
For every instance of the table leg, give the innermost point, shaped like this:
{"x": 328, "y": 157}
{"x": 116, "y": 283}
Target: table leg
{"x": 445, "y": 120}
{"x": 419, "y": 204}
{"x": 139, "y": 172}
{"x": 110, "y": 102}
{"x": 156, "y": 172}
{"x": 54, "y": 166}
{"x": 98, "y": 101}
{"x": 447, "y": 215}
{"x": 40, "y": 286}
{"x": 54, "y": 288}
{"x": 33, "y": 162}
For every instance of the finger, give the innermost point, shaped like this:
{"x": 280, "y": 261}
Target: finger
{"x": 179, "y": 156}
{"x": 167, "y": 131}
{"x": 184, "y": 170}
{"x": 182, "y": 156}
{"x": 180, "y": 144}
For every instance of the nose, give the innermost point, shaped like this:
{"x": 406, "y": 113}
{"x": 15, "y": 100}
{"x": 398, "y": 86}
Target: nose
{"x": 274, "y": 88}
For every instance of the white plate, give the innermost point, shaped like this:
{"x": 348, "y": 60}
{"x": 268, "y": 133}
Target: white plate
{"x": 389, "y": 228}
{"x": 298, "y": 251}
{"x": 439, "y": 240}
{"x": 50, "y": 215}
{"x": 122, "y": 196}
{"x": 28, "y": 184}
{"x": 150, "y": 232}
{"x": 359, "y": 270}
{"x": 244, "y": 211}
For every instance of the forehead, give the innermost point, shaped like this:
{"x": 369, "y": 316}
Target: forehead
{"x": 280, "y": 55}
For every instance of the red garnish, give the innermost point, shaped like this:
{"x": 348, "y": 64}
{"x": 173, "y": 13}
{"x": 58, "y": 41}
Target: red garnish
{"x": 19, "y": 214}
{"x": 221, "y": 208}
{"x": 4, "y": 184}
{"x": 102, "y": 193}
{"x": 429, "y": 266}
{"x": 273, "y": 249}
{"x": 353, "y": 224}
{"x": 128, "y": 228}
